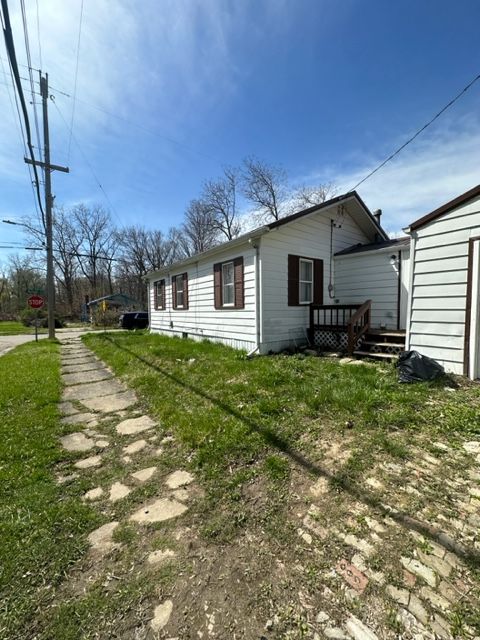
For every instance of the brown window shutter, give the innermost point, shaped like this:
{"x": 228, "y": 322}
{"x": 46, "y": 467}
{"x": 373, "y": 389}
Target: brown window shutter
{"x": 293, "y": 277}
{"x": 185, "y": 290}
{"x": 162, "y": 294}
{"x": 239, "y": 286}
{"x": 317, "y": 281}
{"x": 174, "y": 292}
{"x": 217, "y": 285}
{"x": 155, "y": 295}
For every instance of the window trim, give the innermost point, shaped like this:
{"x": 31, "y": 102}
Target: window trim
{"x": 174, "y": 281}
{"x": 310, "y": 282}
{"x": 238, "y": 284}
{"x": 159, "y": 295}
{"x": 231, "y": 284}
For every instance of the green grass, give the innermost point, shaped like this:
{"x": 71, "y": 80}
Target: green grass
{"x": 244, "y": 421}
{"x": 8, "y": 328}
{"x": 41, "y": 526}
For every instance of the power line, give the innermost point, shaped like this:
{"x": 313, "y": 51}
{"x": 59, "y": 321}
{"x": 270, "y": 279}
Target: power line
{"x": 100, "y": 186}
{"x": 415, "y": 135}
{"x": 10, "y": 46}
{"x": 38, "y": 37}
{"x": 75, "y": 82}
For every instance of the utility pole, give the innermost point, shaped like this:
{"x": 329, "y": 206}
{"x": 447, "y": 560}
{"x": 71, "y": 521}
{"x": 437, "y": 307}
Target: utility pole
{"x": 48, "y": 205}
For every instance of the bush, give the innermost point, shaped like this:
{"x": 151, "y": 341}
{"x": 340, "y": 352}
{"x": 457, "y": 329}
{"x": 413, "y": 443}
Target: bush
{"x": 29, "y": 315}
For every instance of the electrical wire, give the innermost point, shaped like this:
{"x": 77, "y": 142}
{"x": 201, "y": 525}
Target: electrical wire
{"x": 38, "y": 37}
{"x": 10, "y": 46}
{"x": 75, "y": 81}
{"x": 100, "y": 186}
{"x": 415, "y": 135}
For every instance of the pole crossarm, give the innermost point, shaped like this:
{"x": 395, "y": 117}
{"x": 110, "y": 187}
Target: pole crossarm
{"x": 49, "y": 167}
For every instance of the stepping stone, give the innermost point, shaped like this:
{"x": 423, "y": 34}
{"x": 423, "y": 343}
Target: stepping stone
{"x": 158, "y": 557}
{"x": 64, "y": 479}
{"x": 101, "y": 538}
{"x": 158, "y": 511}
{"x": 70, "y": 361}
{"x": 77, "y": 442}
{"x": 88, "y": 463}
{"x": 118, "y": 491}
{"x": 81, "y": 418}
{"x": 161, "y": 615}
{"x": 92, "y": 390}
{"x": 178, "y": 479}
{"x": 358, "y": 630}
{"x": 92, "y": 433}
{"x": 67, "y": 408}
{"x": 102, "y": 443}
{"x": 77, "y": 368}
{"x": 135, "y": 425}
{"x": 144, "y": 474}
{"x": 85, "y": 377}
{"x": 111, "y": 403}
{"x": 94, "y": 494}
{"x": 134, "y": 447}
{"x": 472, "y": 446}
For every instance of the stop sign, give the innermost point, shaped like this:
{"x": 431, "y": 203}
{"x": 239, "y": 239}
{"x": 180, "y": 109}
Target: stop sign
{"x": 36, "y": 302}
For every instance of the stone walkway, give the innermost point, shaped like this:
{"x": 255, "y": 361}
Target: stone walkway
{"x": 101, "y": 409}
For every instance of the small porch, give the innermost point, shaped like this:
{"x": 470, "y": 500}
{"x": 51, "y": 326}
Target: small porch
{"x": 347, "y": 328}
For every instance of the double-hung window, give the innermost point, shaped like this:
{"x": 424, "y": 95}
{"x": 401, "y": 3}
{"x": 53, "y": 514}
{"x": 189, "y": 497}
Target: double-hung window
{"x": 228, "y": 284}
{"x": 159, "y": 294}
{"x": 306, "y": 281}
{"x": 180, "y": 291}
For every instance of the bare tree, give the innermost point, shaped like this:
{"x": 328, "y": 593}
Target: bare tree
{"x": 199, "y": 232}
{"x": 219, "y": 198}
{"x": 308, "y": 196}
{"x": 95, "y": 238}
{"x": 266, "y": 187}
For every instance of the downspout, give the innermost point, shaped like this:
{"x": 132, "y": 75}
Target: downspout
{"x": 413, "y": 241}
{"x": 255, "y": 243}
{"x": 149, "y": 305}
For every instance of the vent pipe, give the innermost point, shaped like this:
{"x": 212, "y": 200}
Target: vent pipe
{"x": 378, "y": 215}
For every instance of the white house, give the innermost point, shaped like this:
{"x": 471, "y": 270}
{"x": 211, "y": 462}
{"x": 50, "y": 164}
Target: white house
{"x": 444, "y": 309}
{"x": 314, "y": 273}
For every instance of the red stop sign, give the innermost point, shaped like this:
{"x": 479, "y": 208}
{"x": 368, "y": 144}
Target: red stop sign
{"x": 36, "y": 302}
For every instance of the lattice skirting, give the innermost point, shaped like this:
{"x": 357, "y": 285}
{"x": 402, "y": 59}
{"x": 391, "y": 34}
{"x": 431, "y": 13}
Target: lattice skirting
{"x": 332, "y": 340}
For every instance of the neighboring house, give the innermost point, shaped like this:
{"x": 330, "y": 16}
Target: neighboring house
{"x": 444, "y": 305}
{"x": 310, "y": 273}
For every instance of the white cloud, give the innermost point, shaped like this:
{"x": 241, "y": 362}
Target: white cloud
{"x": 434, "y": 169}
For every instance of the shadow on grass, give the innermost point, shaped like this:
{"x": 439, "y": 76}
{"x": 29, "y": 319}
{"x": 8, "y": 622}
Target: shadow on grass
{"x": 272, "y": 439}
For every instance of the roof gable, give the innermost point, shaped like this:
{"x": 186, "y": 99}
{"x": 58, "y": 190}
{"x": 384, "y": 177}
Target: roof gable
{"x": 445, "y": 208}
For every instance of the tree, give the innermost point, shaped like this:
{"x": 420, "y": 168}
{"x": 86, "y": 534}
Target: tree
{"x": 266, "y": 187}
{"x": 308, "y": 196}
{"x": 219, "y": 198}
{"x": 198, "y": 229}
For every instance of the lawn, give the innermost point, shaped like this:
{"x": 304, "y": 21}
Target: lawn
{"x": 11, "y": 328}
{"x": 41, "y": 525}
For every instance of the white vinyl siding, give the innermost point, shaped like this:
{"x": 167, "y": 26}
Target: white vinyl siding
{"x": 372, "y": 276}
{"x": 283, "y": 325}
{"x": 234, "y": 327}
{"x": 438, "y": 297}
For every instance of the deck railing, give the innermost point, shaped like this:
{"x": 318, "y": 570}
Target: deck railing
{"x": 354, "y": 319}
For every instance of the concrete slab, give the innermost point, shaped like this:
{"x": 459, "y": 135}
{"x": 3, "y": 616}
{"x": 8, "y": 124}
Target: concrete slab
{"x": 88, "y": 366}
{"x": 178, "y": 479}
{"x": 111, "y": 403}
{"x": 88, "y": 463}
{"x": 118, "y": 491}
{"x": 135, "y": 425}
{"x": 134, "y": 447}
{"x": 77, "y": 442}
{"x": 158, "y": 511}
{"x": 93, "y": 494}
{"x": 84, "y": 377}
{"x": 101, "y": 538}
{"x": 144, "y": 474}
{"x": 81, "y": 418}
{"x": 93, "y": 390}
{"x": 69, "y": 361}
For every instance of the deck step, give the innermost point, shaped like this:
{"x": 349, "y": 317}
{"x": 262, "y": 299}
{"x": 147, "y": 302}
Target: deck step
{"x": 372, "y": 343}
{"x": 386, "y": 334}
{"x": 373, "y": 354}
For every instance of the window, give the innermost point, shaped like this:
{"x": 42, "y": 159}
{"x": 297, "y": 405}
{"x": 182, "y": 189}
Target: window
{"x": 228, "y": 291}
{"x": 306, "y": 281}
{"x": 180, "y": 291}
{"x": 228, "y": 284}
{"x": 159, "y": 294}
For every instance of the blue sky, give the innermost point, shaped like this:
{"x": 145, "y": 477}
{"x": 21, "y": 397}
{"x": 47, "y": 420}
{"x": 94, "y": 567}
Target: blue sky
{"x": 169, "y": 91}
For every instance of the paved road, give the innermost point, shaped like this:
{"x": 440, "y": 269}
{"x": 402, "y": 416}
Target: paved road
{"x": 7, "y": 343}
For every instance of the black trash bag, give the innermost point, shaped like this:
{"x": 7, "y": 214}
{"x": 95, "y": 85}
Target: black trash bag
{"x": 414, "y": 367}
